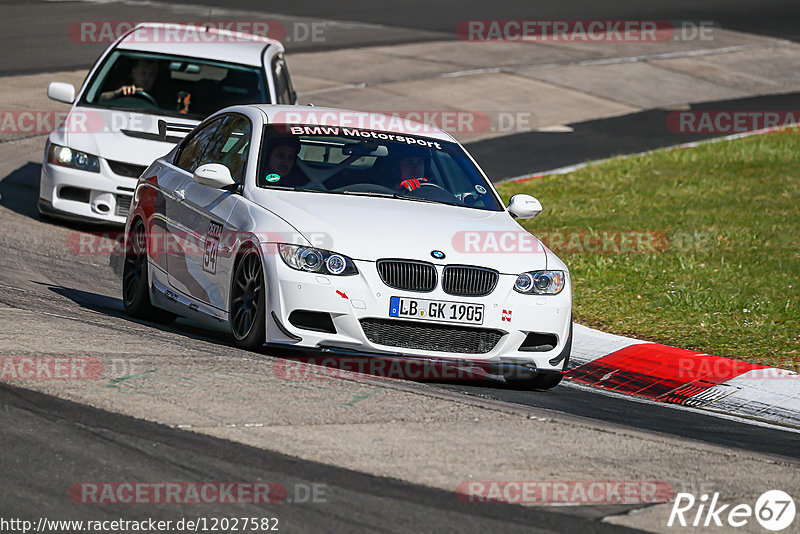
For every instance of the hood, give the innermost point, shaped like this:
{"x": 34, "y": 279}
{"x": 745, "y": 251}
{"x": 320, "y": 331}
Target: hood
{"x": 371, "y": 228}
{"x": 102, "y": 132}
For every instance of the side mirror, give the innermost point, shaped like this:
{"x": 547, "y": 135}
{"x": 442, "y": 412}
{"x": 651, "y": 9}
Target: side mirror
{"x": 213, "y": 175}
{"x": 61, "y": 92}
{"x": 524, "y": 206}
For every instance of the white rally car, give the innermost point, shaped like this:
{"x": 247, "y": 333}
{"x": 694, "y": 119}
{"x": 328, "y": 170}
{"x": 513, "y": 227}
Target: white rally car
{"x": 144, "y": 93}
{"x": 348, "y": 233}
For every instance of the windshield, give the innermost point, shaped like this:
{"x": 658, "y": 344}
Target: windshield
{"x": 172, "y": 85}
{"x": 365, "y": 162}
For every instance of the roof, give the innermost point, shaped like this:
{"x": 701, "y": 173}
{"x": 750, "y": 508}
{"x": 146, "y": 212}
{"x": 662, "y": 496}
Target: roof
{"x": 348, "y": 118}
{"x": 197, "y": 41}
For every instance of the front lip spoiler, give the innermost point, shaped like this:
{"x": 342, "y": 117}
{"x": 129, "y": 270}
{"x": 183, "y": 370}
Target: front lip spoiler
{"x": 485, "y": 369}
{"x": 46, "y": 208}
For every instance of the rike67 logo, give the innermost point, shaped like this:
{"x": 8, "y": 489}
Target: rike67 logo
{"x": 774, "y": 510}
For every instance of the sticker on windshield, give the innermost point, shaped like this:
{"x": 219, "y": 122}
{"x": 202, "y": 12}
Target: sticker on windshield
{"x": 480, "y": 189}
{"x": 355, "y": 132}
{"x": 273, "y": 177}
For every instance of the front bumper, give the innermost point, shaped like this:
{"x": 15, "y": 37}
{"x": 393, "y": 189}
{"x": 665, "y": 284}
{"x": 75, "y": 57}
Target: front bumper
{"x": 78, "y": 195}
{"x": 350, "y": 299}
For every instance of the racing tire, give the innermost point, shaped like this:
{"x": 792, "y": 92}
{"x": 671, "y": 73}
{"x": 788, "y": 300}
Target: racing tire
{"x": 135, "y": 281}
{"x": 539, "y": 381}
{"x": 248, "y": 301}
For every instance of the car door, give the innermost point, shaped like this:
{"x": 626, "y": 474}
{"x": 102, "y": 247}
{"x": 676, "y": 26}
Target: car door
{"x": 201, "y": 260}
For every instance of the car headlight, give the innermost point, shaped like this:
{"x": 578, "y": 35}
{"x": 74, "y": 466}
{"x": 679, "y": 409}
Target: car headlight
{"x": 75, "y": 159}
{"x": 540, "y": 282}
{"x": 314, "y": 260}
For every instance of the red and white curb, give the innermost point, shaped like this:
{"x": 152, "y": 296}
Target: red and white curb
{"x": 667, "y": 374}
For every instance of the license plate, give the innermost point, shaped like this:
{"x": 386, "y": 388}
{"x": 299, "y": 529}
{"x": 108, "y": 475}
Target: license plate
{"x": 436, "y": 310}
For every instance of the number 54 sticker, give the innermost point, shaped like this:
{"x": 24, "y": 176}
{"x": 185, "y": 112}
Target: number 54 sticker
{"x": 212, "y": 247}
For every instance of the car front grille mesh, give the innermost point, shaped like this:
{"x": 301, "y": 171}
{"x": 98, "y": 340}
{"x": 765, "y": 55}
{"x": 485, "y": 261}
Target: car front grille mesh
{"x": 408, "y": 275}
{"x": 432, "y": 337}
{"x": 467, "y": 281}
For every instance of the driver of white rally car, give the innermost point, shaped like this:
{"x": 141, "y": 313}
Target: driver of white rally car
{"x": 142, "y": 78}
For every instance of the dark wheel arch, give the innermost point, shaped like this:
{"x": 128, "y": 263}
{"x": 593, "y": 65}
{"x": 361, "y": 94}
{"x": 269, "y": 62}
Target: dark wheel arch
{"x": 135, "y": 277}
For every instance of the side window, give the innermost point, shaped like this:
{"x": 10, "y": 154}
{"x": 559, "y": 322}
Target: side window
{"x": 283, "y": 82}
{"x": 188, "y": 157}
{"x": 229, "y": 145}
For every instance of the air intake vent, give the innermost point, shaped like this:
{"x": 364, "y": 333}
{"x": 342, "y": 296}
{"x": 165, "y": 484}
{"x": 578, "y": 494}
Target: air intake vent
{"x": 467, "y": 281}
{"x": 123, "y": 205}
{"x": 408, "y": 275}
{"x": 433, "y": 337}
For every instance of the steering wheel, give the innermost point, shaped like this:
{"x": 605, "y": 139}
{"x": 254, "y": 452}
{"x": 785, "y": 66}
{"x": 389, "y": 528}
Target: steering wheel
{"x": 146, "y": 96}
{"x": 431, "y": 191}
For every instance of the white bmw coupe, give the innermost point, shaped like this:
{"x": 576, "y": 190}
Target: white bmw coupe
{"x": 346, "y": 233}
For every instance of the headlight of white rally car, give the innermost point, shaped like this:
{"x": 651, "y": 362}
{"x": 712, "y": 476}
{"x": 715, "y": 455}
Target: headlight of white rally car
{"x": 314, "y": 260}
{"x": 540, "y": 282}
{"x": 66, "y": 157}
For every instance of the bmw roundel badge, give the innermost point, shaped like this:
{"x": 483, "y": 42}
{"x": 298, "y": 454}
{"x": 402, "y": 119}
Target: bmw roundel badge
{"x": 438, "y": 254}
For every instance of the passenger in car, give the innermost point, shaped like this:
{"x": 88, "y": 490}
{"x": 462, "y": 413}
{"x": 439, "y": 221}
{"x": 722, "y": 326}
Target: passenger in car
{"x": 281, "y": 168}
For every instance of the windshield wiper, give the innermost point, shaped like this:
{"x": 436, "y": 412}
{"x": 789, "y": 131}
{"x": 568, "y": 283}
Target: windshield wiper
{"x": 429, "y": 201}
{"x": 370, "y": 194}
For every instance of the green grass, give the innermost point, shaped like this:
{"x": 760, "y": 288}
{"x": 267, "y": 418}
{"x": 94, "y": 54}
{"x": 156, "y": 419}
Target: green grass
{"x": 723, "y": 274}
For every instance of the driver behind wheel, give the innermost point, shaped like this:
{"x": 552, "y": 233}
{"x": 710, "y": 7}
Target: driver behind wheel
{"x": 411, "y": 168}
{"x": 142, "y": 78}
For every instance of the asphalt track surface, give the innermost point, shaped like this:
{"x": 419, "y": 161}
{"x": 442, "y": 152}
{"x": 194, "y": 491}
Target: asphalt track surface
{"x": 66, "y": 441}
{"x": 62, "y": 441}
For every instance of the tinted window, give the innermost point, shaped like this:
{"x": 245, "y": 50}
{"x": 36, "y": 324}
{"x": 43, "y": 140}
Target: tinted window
{"x": 189, "y": 155}
{"x": 229, "y": 145}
